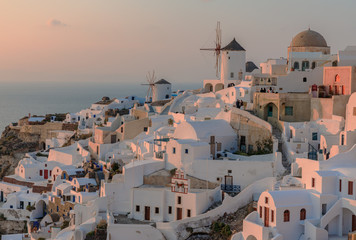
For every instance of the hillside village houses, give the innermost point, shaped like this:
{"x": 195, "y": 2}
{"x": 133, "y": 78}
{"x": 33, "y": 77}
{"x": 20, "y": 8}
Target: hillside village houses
{"x": 183, "y": 161}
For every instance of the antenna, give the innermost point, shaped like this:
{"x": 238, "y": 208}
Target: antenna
{"x": 217, "y": 48}
{"x": 151, "y": 79}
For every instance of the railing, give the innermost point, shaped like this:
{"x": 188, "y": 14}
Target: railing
{"x": 230, "y": 188}
{"x": 159, "y": 155}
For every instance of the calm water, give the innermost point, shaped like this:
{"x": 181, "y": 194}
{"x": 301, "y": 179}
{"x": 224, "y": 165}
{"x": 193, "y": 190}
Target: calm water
{"x": 19, "y": 99}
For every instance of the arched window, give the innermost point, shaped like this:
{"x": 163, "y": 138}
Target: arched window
{"x": 286, "y": 216}
{"x": 313, "y": 65}
{"x": 296, "y": 65}
{"x": 334, "y": 63}
{"x": 305, "y": 65}
{"x": 337, "y": 78}
{"x": 303, "y": 214}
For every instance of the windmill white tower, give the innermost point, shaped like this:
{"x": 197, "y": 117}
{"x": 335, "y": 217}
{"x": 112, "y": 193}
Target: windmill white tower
{"x": 151, "y": 78}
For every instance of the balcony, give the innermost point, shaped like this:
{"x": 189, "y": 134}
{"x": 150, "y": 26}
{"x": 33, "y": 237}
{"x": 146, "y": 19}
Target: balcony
{"x": 228, "y": 188}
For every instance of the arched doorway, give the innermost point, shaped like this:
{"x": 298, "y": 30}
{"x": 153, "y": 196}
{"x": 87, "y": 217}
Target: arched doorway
{"x": 208, "y": 87}
{"x": 219, "y": 87}
{"x": 270, "y": 111}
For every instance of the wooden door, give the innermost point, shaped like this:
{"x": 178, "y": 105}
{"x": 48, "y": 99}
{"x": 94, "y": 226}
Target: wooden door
{"x": 179, "y": 213}
{"x": 45, "y": 174}
{"x": 353, "y": 223}
{"x": 147, "y": 213}
{"x": 266, "y": 217}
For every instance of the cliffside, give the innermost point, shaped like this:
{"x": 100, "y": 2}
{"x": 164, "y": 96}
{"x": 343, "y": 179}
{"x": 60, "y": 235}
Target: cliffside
{"x": 13, "y": 146}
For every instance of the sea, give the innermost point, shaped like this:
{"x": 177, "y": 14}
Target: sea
{"x": 39, "y": 98}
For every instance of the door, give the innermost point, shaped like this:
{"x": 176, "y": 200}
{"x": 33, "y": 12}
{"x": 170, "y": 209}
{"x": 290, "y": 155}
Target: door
{"x": 2, "y": 196}
{"x": 243, "y": 144}
{"x": 266, "y": 217}
{"x": 113, "y": 138}
{"x": 179, "y": 213}
{"x": 147, "y": 213}
{"x": 270, "y": 111}
{"x": 353, "y": 223}
{"x": 45, "y": 174}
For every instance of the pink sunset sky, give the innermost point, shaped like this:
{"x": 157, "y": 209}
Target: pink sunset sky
{"x": 121, "y": 40}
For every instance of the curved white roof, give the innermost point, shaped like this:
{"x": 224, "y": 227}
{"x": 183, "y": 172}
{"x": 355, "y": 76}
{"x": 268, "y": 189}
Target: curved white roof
{"x": 203, "y": 129}
{"x": 290, "y": 198}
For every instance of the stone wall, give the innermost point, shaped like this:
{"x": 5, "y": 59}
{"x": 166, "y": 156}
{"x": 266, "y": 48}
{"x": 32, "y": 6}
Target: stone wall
{"x": 63, "y": 207}
{"x": 12, "y": 227}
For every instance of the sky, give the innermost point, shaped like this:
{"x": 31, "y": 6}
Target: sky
{"x": 121, "y": 40}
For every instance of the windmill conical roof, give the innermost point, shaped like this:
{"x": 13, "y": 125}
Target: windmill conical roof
{"x": 233, "y": 46}
{"x": 162, "y": 81}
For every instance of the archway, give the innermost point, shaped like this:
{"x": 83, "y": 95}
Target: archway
{"x": 347, "y": 219}
{"x": 219, "y": 87}
{"x": 270, "y": 111}
{"x": 208, "y": 87}
{"x": 251, "y": 238}
{"x": 43, "y": 146}
{"x": 39, "y": 211}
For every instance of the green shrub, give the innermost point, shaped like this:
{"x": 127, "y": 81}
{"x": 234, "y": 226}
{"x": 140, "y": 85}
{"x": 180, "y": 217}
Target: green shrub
{"x": 90, "y": 234}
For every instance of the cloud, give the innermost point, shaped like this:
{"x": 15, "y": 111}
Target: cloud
{"x": 56, "y": 23}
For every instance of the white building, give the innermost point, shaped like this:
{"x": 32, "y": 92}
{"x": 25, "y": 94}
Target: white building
{"x": 153, "y": 203}
{"x": 324, "y": 209}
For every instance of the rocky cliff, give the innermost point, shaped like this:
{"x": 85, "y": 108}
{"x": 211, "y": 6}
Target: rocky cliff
{"x": 13, "y": 145}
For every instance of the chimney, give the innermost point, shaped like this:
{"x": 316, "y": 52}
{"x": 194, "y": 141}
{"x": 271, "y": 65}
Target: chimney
{"x": 29, "y": 115}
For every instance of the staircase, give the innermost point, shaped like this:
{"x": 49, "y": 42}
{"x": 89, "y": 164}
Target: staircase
{"x": 278, "y": 135}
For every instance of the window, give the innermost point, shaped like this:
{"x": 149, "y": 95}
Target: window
{"x": 179, "y": 200}
{"x": 313, "y": 182}
{"x": 260, "y": 211}
{"x": 145, "y": 129}
{"x": 315, "y": 136}
{"x": 323, "y": 208}
{"x": 342, "y": 139}
{"x": 303, "y": 214}
{"x": 266, "y": 200}
{"x": 122, "y": 130}
{"x": 286, "y": 216}
{"x": 340, "y": 185}
{"x": 57, "y": 209}
{"x": 45, "y": 165}
{"x": 188, "y": 213}
{"x": 231, "y": 75}
{"x": 272, "y": 216}
{"x": 296, "y": 65}
{"x": 174, "y": 150}
{"x": 351, "y": 188}
{"x": 169, "y": 209}
{"x": 156, "y": 210}
{"x": 304, "y": 79}
{"x": 354, "y": 113}
{"x": 186, "y": 151}
{"x": 50, "y": 172}
{"x": 137, "y": 208}
{"x": 167, "y": 96}
{"x": 40, "y": 172}
{"x": 337, "y": 78}
{"x": 289, "y": 111}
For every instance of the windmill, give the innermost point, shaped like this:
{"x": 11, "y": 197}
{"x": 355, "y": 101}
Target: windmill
{"x": 217, "y": 48}
{"x": 151, "y": 78}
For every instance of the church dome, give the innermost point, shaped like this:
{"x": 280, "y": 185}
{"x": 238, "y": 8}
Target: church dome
{"x": 308, "y": 38}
